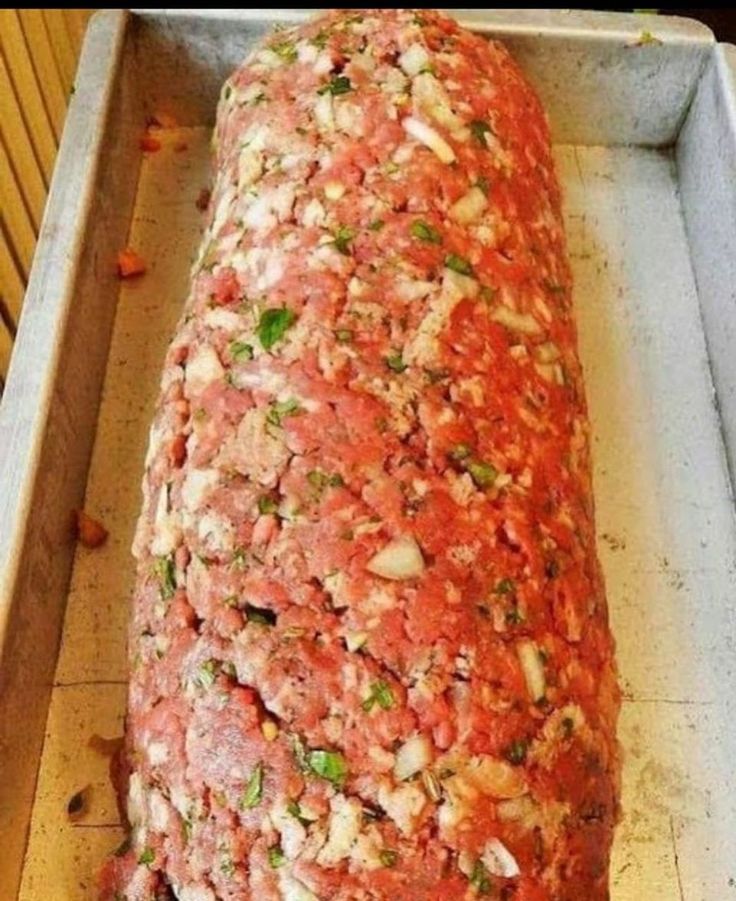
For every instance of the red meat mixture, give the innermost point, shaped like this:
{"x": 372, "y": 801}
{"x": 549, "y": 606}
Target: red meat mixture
{"x": 370, "y": 655}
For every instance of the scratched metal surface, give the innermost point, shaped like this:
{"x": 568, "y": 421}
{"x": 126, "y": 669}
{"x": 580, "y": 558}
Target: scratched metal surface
{"x": 667, "y": 536}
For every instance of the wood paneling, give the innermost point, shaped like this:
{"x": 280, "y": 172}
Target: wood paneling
{"x": 38, "y": 59}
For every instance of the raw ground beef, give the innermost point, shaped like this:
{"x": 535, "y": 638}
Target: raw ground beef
{"x": 370, "y": 654}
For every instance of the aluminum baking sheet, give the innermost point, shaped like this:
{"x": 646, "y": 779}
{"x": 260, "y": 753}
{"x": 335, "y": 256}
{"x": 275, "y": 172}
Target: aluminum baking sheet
{"x": 667, "y": 536}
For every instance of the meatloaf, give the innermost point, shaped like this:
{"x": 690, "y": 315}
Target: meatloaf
{"x": 370, "y": 654}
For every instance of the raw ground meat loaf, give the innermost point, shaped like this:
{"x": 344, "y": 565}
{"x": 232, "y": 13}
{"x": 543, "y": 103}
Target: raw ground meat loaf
{"x": 370, "y": 656}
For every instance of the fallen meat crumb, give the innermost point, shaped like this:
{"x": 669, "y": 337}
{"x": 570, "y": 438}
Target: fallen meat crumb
{"x": 149, "y": 144}
{"x": 90, "y": 532}
{"x": 203, "y": 199}
{"x": 130, "y": 264}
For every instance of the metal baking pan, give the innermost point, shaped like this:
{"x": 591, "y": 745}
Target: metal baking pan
{"x": 643, "y": 112}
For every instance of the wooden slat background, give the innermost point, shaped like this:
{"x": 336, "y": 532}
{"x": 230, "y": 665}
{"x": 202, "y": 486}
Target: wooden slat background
{"x": 38, "y": 58}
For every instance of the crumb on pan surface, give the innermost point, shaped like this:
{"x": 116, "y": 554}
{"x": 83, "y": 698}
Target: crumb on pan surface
{"x": 370, "y": 654}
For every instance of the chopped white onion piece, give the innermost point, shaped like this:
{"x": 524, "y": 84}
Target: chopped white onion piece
{"x": 355, "y": 640}
{"x": 414, "y": 59}
{"x": 517, "y": 322}
{"x": 493, "y": 777}
{"x": 531, "y": 664}
{"x": 547, "y": 352}
{"x": 334, "y": 190}
{"x": 323, "y": 112}
{"x": 400, "y": 559}
{"x": 291, "y": 889}
{"x": 412, "y": 757}
{"x": 469, "y": 207}
{"x": 466, "y": 863}
{"x": 551, "y": 372}
{"x": 499, "y": 861}
{"x": 426, "y": 135}
{"x": 516, "y": 809}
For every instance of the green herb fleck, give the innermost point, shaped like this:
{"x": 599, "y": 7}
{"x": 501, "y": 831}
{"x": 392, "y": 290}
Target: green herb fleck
{"x": 164, "y": 569}
{"x": 340, "y": 84}
{"x": 261, "y": 615}
{"x": 240, "y": 556}
{"x": 478, "y": 129}
{"x": 515, "y": 753}
{"x": 483, "y": 474}
{"x": 480, "y": 879}
{"x": 505, "y": 586}
{"x": 186, "y": 831}
{"x": 344, "y": 335}
{"x": 381, "y": 694}
{"x": 343, "y": 236}
{"x": 514, "y": 616}
{"x": 227, "y": 92}
{"x": 458, "y": 264}
{"x": 276, "y": 857}
{"x": 253, "y": 790}
{"x": 483, "y": 184}
{"x": 295, "y": 810}
{"x": 376, "y": 225}
{"x": 321, "y": 38}
{"x": 207, "y": 673}
{"x": 286, "y": 50}
{"x": 396, "y": 362}
{"x": 320, "y": 480}
{"x": 425, "y": 232}
{"x": 273, "y": 324}
{"x": 317, "y": 479}
{"x": 388, "y": 857}
{"x": 147, "y": 857}
{"x": 568, "y": 726}
{"x": 460, "y": 452}
{"x": 267, "y": 504}
{"x": 241, "y": 352}
{"x": 279, "y": 411}
{"x": 329, "y": 765}
{"x": 227, "y": 866}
